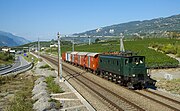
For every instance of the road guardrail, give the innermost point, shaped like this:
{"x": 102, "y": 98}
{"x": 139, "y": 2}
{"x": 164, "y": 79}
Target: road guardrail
{"x": 21, "y": 69}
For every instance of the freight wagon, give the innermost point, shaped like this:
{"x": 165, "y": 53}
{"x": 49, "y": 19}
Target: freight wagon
{"x": 91, "y": 62}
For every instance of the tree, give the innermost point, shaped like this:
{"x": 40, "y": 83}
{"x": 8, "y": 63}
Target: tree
{"x": 52, "y": 41}
{"x": 97, "y": 40}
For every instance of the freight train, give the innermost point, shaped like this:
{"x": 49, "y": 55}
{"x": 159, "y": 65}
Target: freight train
{"x": 121, "y": 67}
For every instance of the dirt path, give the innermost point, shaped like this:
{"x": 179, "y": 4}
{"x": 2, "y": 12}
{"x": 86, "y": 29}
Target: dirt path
{"x": 173, "y": 56}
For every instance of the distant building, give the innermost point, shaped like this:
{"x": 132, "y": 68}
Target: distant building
{"x": 54, "y": 45}
{"x": 111, "y": 31}
{"x": 33, "y": 48}
{"x": 6, "y": 49}
{"x": 12, "y": 51}
{"x": 98, "y": 30}
{"x": 42, "y": 48}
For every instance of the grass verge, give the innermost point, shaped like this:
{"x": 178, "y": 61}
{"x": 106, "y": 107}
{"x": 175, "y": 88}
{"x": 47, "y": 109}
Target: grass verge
{"x": 18, "y": 89}
{"x": 52, "y": 86}
{"x": 169, "y": 85}
{"x": 46, "y": 66}
{"x": 58, "y": 105}
{"x": 21, "y": 102}
{"x": 30, "y": 58}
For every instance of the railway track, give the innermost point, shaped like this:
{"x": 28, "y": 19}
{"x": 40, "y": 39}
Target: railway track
{"x": 160, "y": 99}
{"x": 145, "y": 93}
{"x": 98, "y": 89}
{"x": 175, "y": 101}
{"x": 111, "y": 104}
{"x": 114, "y": 101}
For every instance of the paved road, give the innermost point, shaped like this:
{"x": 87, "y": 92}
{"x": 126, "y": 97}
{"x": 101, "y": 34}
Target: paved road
{"x": 19, "y": 62}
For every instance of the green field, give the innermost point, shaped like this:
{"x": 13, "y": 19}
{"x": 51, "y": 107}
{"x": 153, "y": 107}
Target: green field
{"x": 154, "y": 59}
{"x": 30, "y": 58}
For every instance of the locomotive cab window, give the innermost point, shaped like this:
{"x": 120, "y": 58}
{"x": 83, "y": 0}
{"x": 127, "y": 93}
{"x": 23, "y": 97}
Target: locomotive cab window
{"x": 136, "y": 61}
{"x": 126, "y": 61}
{"x": 141, "y": 60}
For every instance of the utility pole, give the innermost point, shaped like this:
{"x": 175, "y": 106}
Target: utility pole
{"x": 89, "y": 40}
{"x": 59, "y": 58}
{"x": 38, "y": 49}
{"x": 73, "y": 45}
{"x": 121, "y": 43}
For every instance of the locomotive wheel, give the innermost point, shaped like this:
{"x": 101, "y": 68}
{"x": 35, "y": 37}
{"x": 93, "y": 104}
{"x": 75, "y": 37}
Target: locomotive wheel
{"x": 96, "y": 73}
{"x": 130, "y": 85}
{"x": 111, "y": 78}
{"x": 121, "y": 83}
{"x": 144, "y": 86}
{"x": 116, "y": 81}
{"x": 101, "y": 75}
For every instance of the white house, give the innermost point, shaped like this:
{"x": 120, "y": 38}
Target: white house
{"x": 6, "y": 49}
{"x": 54, "y": 45}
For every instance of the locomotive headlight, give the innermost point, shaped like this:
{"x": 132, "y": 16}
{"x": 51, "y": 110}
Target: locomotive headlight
{"x": 133, "y": 75}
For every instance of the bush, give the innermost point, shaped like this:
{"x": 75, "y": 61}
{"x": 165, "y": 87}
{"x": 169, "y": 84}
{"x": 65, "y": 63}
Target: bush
{"x": 178, "y": 51}
{"x": 169, "y": 49}
{"x": 44, "y": 66}
{"x": 154, "y": 45}
{"x": 20, "y": 103}
{"x": 40, "y": 60}
{"x": 5, "y": 79}
{"x": 160, "y": 47}
{"x": 58, "y": 105}
{"x": 52, "y": 86}
{"x": 6, "y": 57}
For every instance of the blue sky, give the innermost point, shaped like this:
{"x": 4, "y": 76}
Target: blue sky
{"x": 44, "y": 18}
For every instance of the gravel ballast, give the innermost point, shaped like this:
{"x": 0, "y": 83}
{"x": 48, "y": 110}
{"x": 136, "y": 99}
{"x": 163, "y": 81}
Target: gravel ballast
{"x": 135, "y": 98}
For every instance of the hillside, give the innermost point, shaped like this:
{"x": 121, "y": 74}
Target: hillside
{"x": 159, "y": 25}
{"x": 8, "y": 39}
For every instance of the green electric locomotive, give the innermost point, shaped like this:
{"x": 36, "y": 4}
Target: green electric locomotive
{"x": 126, "y": 69}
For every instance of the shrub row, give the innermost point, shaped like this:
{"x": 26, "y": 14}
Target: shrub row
{"x": 167, "y": 48}
{"x": 6, "y": 57}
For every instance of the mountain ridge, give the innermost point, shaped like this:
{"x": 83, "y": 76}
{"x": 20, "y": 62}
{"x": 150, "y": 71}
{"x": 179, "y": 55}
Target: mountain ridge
{"x": 156, "y": 25}
{"x": 8, "y": 39}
